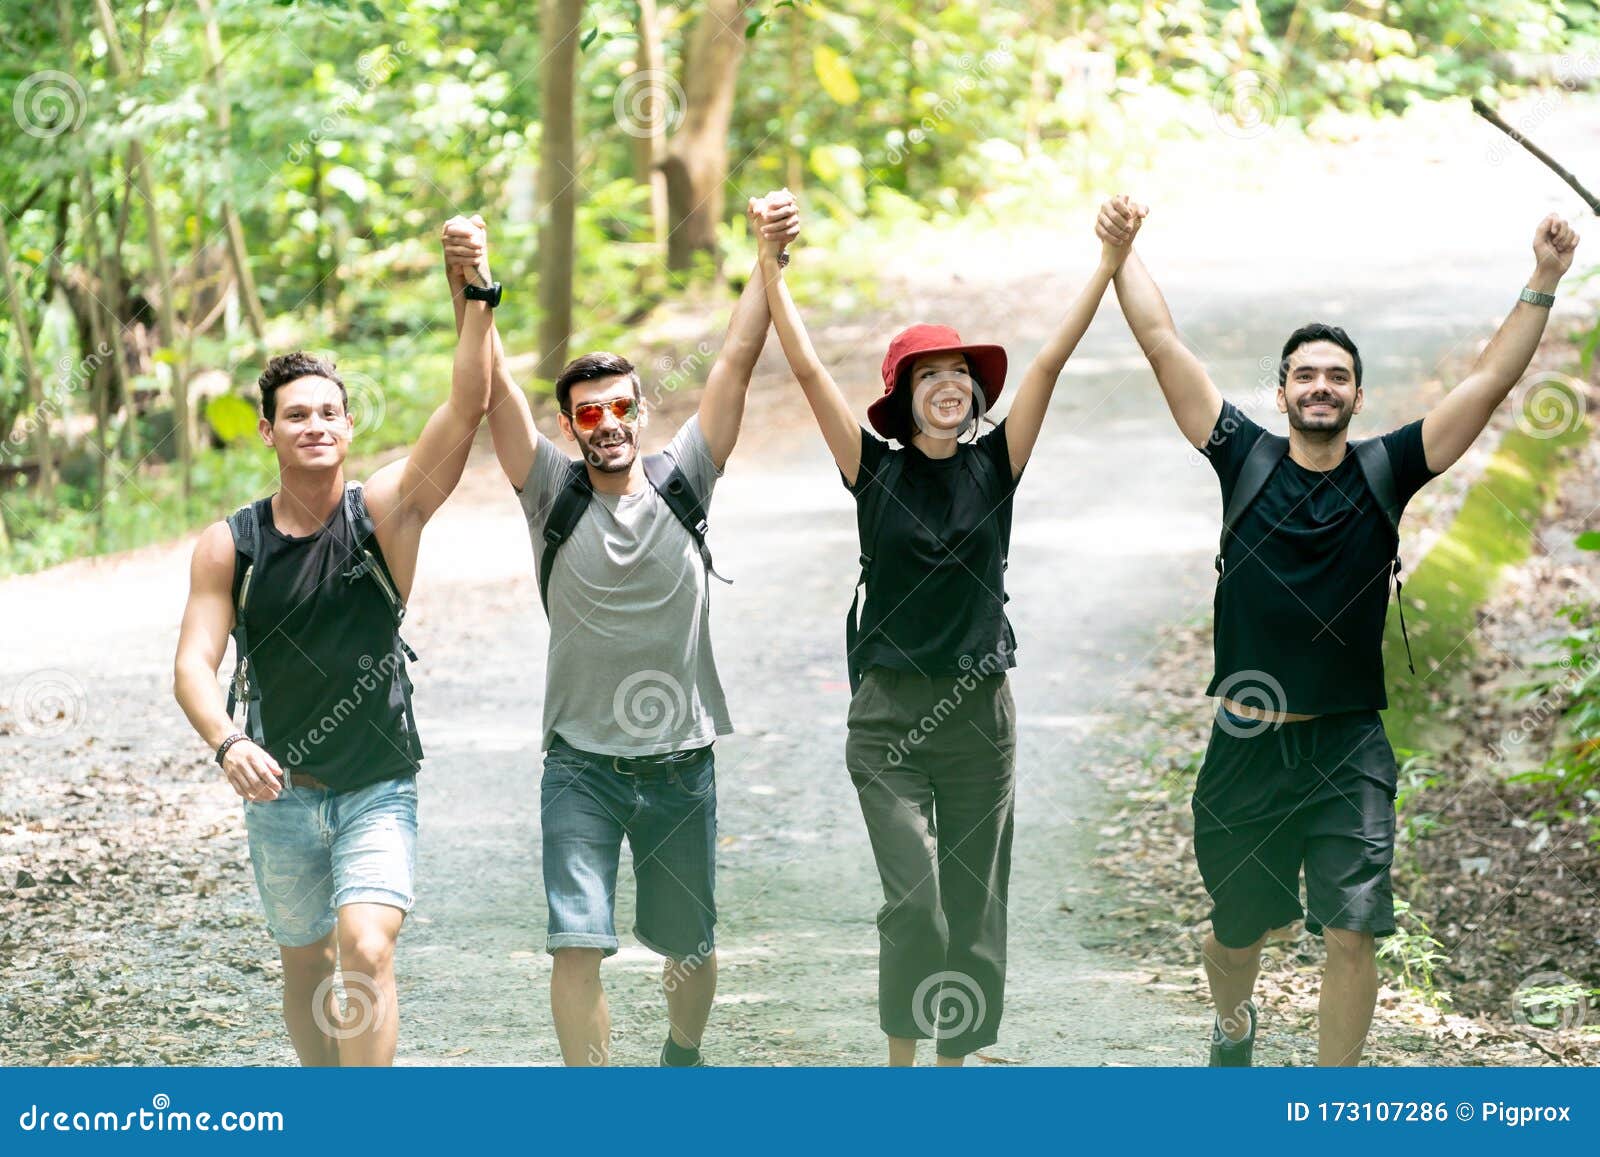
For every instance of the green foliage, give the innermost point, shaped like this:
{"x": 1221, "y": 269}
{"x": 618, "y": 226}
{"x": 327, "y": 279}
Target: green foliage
{"x": 1567, "y": 686}
{"x": 1490, "y": 532}
{"x": 1412, "y": 955}
{"x": 356, "y": 127}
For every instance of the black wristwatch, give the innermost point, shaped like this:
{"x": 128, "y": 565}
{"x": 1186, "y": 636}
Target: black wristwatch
{"x": 489, "y": 294}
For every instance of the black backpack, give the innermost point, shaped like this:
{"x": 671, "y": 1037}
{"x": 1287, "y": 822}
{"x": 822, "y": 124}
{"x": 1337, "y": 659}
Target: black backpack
{"x": 1373, "y": 458}
{"x": 668, "y": 480}
{"x": 869, "y": 526}
{"x": 245, "y": 524}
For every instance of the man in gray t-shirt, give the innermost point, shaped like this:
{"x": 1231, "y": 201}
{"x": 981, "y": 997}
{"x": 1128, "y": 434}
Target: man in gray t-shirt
{"x": 630, "y": 669}
{"x": 632, "y": 701}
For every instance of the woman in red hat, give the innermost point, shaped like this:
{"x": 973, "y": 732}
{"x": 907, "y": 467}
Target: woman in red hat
{"x": 932, "y": 738}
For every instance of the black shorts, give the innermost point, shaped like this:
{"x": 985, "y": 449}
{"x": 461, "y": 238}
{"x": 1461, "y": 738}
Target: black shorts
{"x": 1271, "y": 797}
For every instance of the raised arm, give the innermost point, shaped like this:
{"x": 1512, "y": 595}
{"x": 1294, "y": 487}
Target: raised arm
{"x": 202, "y": 641}
{"x": 511, "y": 428}
{"x": 1452, "y": 425}
{"x": 412, "y": 490}
{"x": 1193, "y": 399}
{"x": 722, "y": 402}
{"x": 840, "y": 429}
{"x": 1026, "y": 415}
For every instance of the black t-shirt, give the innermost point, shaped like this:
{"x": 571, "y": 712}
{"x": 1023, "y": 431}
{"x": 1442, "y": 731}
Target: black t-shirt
{"x": 936, "y": 598}
{"x": 1305, "y": 577}
{"x": 325, "y": 653}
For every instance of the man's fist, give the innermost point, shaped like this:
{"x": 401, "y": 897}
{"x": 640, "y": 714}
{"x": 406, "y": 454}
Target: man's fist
{"x": 1554, "y": 245}
{"x": 466, "y": 249}
{"x": 253, "y": 773}
{"x": 774, "y": 219}
{"x": 1119, "y": 222}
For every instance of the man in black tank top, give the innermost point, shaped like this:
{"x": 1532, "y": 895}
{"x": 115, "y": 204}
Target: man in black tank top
{"x": 312, "y": 584}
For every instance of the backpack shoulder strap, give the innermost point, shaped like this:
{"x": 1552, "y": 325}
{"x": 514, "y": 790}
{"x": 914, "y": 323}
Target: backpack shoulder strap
{"x": 1378, "y": 470}
{"x": 1259, "y": 462}
{"x": 1373, "y": 457}
{"x": 245, "y": 526}
{"x": 565, "y": 511}
{"x": 356, "y": 513}
{"x": 870, "y": 512}
{"x": 669, "y": 481}
{"x": 363, "y": 535}
{"x": 869, "y": 524}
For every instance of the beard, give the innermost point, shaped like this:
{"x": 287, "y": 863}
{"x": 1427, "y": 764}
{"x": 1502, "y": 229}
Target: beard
{"x": 1323, "y": 425}
{"x": 613, "y": 463}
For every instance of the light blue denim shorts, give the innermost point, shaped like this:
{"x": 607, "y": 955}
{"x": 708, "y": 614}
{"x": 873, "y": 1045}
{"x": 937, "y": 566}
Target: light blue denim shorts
{"x": 315, "y": 851}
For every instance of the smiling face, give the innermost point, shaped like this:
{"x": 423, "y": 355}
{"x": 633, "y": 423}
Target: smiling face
{"x": 599, "y": 420}
{"x": 310, "y": 428}
{"x": 941, "y": 394}
{"x": 1320, "y": 394}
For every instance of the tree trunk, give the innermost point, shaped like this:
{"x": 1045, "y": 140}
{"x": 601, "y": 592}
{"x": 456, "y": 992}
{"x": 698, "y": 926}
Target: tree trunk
{"x": 230, "y": 219}
{"x": 158, "y": 258}
{"x": 1038, "y": 86}
{"x": 649, "y": 146}
{"x": 104, "y": 349}
{"x": 46, "y": 482}
{"x": 799, "y": 84}
{"x": 560, "y": 21}
{"x": 697, "y": 156}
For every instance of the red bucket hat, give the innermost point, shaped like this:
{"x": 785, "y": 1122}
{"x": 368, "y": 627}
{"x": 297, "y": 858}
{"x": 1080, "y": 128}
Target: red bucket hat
{"x": 988, "y": 364}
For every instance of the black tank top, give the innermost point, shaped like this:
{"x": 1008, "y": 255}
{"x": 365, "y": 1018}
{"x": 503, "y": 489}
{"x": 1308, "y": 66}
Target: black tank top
{"x": 326, "y": 655}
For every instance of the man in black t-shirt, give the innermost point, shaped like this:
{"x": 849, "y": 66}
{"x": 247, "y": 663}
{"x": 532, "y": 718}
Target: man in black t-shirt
{"x": 1298, "y": 772}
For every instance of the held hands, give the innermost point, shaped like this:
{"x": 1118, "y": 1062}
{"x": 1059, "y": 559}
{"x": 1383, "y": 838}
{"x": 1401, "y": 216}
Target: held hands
{"x": 253, "y": 773}
{"x": 466, "y": 251}
{"x": 1554, "y": 245}
{"x": 775, "y": 220}
{"x": 1117, "y": 226}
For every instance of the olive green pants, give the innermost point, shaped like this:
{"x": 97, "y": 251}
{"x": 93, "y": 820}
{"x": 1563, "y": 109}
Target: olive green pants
{"x": 933, "y": 761}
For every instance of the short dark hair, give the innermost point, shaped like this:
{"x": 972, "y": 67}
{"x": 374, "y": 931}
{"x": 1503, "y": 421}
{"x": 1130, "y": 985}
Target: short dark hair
{"x": 587, "y": 369}
{"x": 1317, "y": 331}
{"x": 286, "y": 368}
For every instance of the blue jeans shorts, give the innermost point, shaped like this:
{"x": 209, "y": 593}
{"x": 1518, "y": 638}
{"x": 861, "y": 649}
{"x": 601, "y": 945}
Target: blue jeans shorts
{"x": 315, "y": 851}
{"x": 666, "y": 807}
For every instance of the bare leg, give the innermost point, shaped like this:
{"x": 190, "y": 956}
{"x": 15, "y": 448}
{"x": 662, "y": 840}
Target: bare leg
{"x": 902, "y": 1052}
{"x": 1232, "y": 973}
{"x": 578, "y": 1003}
{"x": 952, "y": 1062}
{"x": 307, "y": 972}
{"x": 370, "y": 1026}
{"x": 1349, "y": 994}
{"x": 691, "y": 986}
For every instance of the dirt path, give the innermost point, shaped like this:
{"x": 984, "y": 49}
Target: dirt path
{"x": 151, "y": 949}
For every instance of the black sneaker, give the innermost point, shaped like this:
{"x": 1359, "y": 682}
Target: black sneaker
{"x": 699, "y": 1061}
{"x": 1231, "y": 1054}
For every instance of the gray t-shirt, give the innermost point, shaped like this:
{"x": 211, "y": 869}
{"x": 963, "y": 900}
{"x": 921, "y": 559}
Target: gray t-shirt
{"x": 630, "y": 670}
